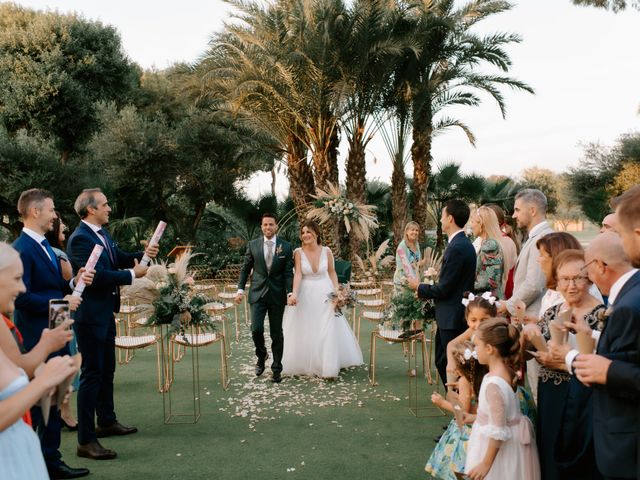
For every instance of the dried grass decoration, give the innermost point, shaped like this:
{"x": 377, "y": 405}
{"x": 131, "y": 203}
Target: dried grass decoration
{"x": 358, "y": 219}
{"x": 167, "y": 294}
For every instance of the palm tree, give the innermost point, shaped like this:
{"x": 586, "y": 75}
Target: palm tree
{"x": 445, "y": 74}
{"x": 366, "y": 61}
{"x": 395, "y": 130}
{"x": 447, "y": 183}
{"x": 276, "y": 67}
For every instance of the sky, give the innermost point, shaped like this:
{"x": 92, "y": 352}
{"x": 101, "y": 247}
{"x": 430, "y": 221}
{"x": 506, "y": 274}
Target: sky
{"x": 579, "y": 61}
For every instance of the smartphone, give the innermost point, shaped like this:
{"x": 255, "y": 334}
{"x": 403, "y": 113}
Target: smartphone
{"x": 58, "y": 312}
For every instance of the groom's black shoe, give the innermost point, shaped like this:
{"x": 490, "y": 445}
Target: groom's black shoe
{"x": 259, "y": 368}
{"x": 276, "y": 377}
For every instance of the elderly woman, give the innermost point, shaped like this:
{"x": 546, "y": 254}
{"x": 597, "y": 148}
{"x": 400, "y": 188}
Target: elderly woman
{"x": 408, "y": 258}
{"x": 564, "y": 423}
{"x": 490, "y": 271}
{"x": 20, "y": 454}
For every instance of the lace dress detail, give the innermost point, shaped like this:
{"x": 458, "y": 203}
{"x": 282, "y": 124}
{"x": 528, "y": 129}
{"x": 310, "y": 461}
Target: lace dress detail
{"x": 499, "y": 417}
{"x": 592, "y": 319}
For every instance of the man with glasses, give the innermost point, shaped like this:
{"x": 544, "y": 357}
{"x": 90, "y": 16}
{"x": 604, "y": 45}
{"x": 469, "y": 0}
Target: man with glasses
{"x": 615, "y": 369}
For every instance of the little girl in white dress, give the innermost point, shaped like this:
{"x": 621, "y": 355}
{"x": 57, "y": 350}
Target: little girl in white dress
{"x": 502, "y": 444}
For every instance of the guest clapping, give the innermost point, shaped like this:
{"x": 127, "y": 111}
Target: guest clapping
{"x": 564, "y": 407}
{"x": 20, "y": 449}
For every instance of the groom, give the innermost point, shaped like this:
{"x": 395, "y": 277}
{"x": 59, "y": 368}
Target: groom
{"x": 272, "y": 262}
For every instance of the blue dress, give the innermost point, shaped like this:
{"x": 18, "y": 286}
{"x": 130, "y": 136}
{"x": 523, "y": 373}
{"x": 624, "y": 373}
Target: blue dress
{"x": 450, "y": 454}
{"x": 20, "y": 454}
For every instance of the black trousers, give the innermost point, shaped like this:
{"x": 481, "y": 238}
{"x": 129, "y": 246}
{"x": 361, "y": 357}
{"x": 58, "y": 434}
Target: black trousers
{"x": 443, "y": 337}
{"x": 275, "y": 310}
{"x": 95, "y": 395}
{"x": 48, "y": 434}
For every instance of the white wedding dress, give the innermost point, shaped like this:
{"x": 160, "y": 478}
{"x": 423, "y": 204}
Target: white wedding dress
{"x": 316, "y": 340}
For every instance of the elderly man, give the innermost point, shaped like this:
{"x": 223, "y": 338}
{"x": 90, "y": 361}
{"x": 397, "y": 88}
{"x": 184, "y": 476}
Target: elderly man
{"x": 615, "y": 370}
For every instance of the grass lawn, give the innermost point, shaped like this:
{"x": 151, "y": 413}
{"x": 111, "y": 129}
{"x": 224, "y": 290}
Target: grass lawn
{"x": 302, "y": 428}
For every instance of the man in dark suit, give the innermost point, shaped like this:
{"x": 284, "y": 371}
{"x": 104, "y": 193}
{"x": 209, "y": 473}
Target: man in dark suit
{"x": 43, "y": 281}
{"x": 271, "y": 260}
{"x": 456, "y": 277}
{"x": 95, "y": 323}
{"x": 615, "y": 370}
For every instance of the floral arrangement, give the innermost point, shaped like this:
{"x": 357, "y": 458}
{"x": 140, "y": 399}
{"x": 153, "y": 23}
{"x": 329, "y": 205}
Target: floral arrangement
{"x": 344, "y": 297}
{"x": 166, "y": 294}
{"x": 358, "y": 219}
{"x": 404, "y": 308}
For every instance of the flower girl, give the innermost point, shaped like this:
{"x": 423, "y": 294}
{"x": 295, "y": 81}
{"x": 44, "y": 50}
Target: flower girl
{"x": 501, "y": 444}
{"x": 450, "y": 454}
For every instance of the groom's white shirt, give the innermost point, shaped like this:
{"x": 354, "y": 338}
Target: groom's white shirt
{"x": 265, "y": 250}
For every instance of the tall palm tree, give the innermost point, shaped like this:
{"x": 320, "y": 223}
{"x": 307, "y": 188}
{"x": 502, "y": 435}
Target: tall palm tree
{"x": 395, "y": 131}
{"x": 366, "y": 63}
{"x": 276, "y": 67}
{"x": 446, "y": 74}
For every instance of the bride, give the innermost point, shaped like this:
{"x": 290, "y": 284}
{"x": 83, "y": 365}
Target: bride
{"x": 317, "y": 341}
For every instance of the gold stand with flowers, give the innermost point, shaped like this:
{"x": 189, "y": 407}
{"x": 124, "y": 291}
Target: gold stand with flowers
{"x": 179, "y": 310}
{"x": 190, "y": 414}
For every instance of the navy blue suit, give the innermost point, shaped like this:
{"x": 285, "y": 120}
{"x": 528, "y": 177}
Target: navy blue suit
{"x": 95, "y": 328}
{"x": 457, "y": 276}
{"x": 43, "y": 282}
{"x": 616, "y": 404}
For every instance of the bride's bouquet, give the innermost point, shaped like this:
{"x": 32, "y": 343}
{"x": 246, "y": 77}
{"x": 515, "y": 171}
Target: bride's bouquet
{"x": 344, "y": 297}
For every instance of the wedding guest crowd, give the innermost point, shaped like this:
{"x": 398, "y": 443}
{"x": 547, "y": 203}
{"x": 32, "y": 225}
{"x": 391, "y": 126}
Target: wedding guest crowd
{"x": 586, "y": 356}
{"x": 581, "y": 333}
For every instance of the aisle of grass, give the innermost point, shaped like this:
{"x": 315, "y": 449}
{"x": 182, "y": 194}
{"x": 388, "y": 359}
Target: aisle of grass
{"x": 303, "y": 428}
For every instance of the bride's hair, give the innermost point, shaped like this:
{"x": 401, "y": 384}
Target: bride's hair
{"x": 314, "y": 227}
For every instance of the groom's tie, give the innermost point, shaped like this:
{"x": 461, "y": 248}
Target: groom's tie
{"x": 269, "y": 259}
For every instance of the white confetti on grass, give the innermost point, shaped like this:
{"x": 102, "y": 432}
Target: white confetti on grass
{"x": 259, "y": 400}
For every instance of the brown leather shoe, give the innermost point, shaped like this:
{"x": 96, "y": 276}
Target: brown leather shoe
{"x": 95, "y": 451}
{"x": 114, "y": 430}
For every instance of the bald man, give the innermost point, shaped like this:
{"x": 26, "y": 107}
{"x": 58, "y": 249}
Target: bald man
{"x": 609, "y": 223}
{"x": 627, "y": 220}
{"x": 615, "y": 370}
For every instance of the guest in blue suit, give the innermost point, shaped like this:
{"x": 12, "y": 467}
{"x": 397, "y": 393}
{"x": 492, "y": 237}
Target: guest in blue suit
{"x": 95, "y": 322}
{"x": 456, "y": 277}
{"x": 43, "y": 281}
{"x": 614, "y": 371}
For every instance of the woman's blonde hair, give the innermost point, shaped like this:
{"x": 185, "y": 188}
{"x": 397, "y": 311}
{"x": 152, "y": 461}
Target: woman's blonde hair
{"x": 408, "y": 226}
{"x": 8, "y": 254}
{"x": 489, "y": 223}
